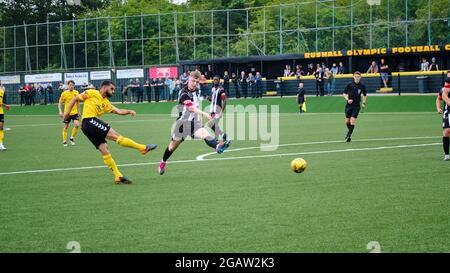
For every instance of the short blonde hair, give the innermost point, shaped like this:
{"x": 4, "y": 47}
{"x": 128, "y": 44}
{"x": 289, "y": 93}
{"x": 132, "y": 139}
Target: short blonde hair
{"x": 196, "y": 74}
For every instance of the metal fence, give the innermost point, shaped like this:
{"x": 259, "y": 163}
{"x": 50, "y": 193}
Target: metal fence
{"x": 167, "y": 38}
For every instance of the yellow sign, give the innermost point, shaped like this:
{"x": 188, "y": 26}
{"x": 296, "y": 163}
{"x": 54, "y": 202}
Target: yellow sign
{"x": 416, "y": 49}
{"x": 377, "y": 51}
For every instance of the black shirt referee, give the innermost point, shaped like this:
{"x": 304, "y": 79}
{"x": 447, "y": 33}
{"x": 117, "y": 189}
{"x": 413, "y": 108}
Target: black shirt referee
{"x": 352, "y": 94}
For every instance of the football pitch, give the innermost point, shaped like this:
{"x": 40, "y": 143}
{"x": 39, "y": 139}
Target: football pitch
{"x": 389, "y": 185}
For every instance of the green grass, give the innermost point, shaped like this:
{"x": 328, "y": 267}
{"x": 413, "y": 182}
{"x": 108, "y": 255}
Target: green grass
{"x": 398, "y": 197}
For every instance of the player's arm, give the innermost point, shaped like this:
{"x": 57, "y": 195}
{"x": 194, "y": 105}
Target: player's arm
{"x": 191, "y": 108}
{"x": 345, "y": 95}
{"x": 364, "y": 97}
{"x": 75, "y": 99}
{"x": 122, "y": 112}
{"x": 438, "y": 103}
{"x": 223, "y": 97}
{"x": 445, "y": 96}
{"x": 61, "y": 114}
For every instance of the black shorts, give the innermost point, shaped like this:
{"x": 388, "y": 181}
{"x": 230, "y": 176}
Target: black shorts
{"x": 185, "y": 129}
{"x": 352, "y": 112}
{"x": 95, "y": 130}
{"x": 2, "y": 118}
{"x": 71, "y": 118}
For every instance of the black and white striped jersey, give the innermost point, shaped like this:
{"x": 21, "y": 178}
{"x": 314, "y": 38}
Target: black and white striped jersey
{"x": 217, "y": 99}
{"x": 188, "y": 99}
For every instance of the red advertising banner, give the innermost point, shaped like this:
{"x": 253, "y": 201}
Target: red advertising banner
{"x": 163, "y": 72}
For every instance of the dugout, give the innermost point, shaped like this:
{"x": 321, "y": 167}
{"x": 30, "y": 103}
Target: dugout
{"x": 400, "y": 59}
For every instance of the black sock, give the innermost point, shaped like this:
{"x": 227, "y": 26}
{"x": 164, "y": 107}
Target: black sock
{"x": 167, "y": 154}
{"x": 446, "y": 141}
{"x": 350, "y": 129}
{"x": 348, "y": 125}
{"x": 211, "y": 142}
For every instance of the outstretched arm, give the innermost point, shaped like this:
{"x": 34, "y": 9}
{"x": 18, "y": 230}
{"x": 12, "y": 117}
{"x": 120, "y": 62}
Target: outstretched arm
{"x": 123, "y": 112}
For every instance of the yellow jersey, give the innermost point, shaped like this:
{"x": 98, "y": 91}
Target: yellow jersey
{"x": 2, "y": 93}
{"x": 66, "y": 97}
{"x": 94, "y": 104}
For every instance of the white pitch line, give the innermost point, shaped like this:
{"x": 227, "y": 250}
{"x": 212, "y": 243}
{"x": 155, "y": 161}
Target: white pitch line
{"x": 173, "y": 118}
{"x": 202, "y": 157}
{"x": 229, "y": 158}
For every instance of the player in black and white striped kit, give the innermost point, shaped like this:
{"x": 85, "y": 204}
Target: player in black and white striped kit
{"x": 444, "y": 96}
{"x": 188, "y": 123}
{"x": 218, "y": 101}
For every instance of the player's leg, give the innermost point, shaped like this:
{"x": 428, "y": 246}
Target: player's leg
{"x": 64, "y": 132}
{"x": 446, "y": 143}
{"x": 173, "y": 145}
{"x": 76, "y": 126}
{"x": 129, "y": 143}
{"x": 111, "y": 164}
{"x": 2, "y": 134}
{"x": 219, "y": 146}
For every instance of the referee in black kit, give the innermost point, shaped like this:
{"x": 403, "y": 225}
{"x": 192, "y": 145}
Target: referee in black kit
{"x": 352, "y": 94}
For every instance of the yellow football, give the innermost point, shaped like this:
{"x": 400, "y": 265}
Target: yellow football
{"x": 298, "y": 165}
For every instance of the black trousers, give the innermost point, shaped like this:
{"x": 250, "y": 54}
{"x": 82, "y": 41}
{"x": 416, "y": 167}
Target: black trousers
{"x": 140, "y": 97}
{"x": 244, "y": 90}
{"x": 157, "y": 90}
{"x": 236, "y": 89}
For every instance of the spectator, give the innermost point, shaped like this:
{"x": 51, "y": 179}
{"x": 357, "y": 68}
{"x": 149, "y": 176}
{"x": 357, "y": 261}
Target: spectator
{"x": 310, "y": 71}
{"x": 132, "y": 90}
{"x": 334, "y": 69}
{"x": 341, "y": 68}
{"x": 424, "y": 65}
{"x": 33, "y": 94}
{"x": 124, "y": 93}
{"x": 323, "y": 69}
{"x": 27, "y": 94}
{"x": 251, "y": 84}
{"x": 384, "y": 71}
{"x": 287, "y": 71}
{"x": 331, "y": 82}
{"x": 433, "y": 66}
{"x": 299, "y": 71}
{"x": 168, "y": 87}
{"x": 154, "y": 85}
{"x": 148, "y": 91}
{"x": 50, "y": 93}
{"x": 139, "y": 91}
{"x": 176, "y": 89}
{"x": 162, "y": 95}
{"x": 235, "y": 81}
{"x": 301, "y": 100}
{"x": 259, "y": 83}
{"x": 373, "y": 68}
{"x": 243, "y": 83}
{"x": 184, "y": 79}
{"x": 204, "y": 86}
{"x": 319, "y": 81}
{"x": 22, "y": 94}
{"x": 209, "y": 73}
{"x": 122, "y": 87}
{"x": 226, "y": 82}
{"x": 41, "y": 94}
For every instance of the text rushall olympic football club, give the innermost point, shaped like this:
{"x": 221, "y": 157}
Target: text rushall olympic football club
{"x": 225, "y": 263}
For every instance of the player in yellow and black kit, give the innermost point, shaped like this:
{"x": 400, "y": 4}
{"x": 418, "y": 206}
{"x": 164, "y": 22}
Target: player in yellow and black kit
{"x": 2, "y": 116}
{"x": 65, "y": 98}
{"x": 96, "y": 103}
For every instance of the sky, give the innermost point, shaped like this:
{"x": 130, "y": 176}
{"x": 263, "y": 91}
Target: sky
{"x": 179, "y": 1}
